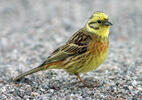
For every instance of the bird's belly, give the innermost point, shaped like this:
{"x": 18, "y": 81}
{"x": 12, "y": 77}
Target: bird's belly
{"x": 96, "y": 62}
{"x": 93, "y": 62}
{"x": 86, "y": 64}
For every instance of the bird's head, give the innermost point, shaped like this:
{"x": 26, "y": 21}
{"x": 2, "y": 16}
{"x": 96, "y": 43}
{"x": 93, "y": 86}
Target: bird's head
{"x": 99, "y": 24}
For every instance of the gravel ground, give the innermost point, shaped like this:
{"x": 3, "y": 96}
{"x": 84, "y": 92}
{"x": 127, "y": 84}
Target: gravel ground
{"x": 30, "y": 30}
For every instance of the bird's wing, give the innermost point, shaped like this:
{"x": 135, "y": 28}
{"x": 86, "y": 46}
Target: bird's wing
{"x": 76, "y": 45}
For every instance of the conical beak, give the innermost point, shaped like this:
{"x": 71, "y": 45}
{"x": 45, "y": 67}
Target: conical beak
{"x": 107, "y": 23}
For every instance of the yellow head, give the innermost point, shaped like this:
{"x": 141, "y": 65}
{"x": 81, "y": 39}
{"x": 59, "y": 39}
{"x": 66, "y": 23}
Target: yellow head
{"x": 98, "y": 24}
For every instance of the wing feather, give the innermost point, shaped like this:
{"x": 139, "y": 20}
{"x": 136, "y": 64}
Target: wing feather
{"x": 76, "y": 45}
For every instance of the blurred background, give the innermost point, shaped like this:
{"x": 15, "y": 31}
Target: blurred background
{"x": 31, "y": 29}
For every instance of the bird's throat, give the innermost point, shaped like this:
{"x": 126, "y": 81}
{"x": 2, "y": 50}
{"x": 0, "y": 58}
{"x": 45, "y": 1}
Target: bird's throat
{"x": 100, "y": 38}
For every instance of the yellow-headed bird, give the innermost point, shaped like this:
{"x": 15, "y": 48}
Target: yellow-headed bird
{"x": 83, "y": 52}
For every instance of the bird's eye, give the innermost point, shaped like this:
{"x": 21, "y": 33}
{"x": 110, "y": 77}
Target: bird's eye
{"x": 99, "y": 21}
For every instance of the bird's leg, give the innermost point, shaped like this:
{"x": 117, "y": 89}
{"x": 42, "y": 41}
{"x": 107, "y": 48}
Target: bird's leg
{"x": 80, "y": 79}
{"x": 84, "y": 84}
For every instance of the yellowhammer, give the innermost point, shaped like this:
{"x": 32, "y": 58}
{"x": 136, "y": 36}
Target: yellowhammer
{"x": 83, "y": 52}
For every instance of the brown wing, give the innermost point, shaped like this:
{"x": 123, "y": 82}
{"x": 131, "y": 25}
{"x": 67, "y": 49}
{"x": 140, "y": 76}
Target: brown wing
{"x": 76, "y": 45}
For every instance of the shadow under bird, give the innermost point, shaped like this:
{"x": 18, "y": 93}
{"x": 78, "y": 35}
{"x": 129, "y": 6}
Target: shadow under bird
{"x": 85, "y": 51}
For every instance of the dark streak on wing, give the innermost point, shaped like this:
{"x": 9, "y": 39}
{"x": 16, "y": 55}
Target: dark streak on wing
{"x": 75, "y": 50}
{"x": 83, "y": 50}
{"x": 77, "y": 44}
{"x": 80, "y": 39}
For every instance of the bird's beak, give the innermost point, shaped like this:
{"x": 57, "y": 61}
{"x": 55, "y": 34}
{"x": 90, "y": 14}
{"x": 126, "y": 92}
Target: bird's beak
{"x": 107, "y": 23}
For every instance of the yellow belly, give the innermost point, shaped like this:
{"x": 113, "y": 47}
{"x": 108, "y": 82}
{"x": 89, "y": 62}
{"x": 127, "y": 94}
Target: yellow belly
{"x": 87, "y": 64}
{"x": 94, "y": 63}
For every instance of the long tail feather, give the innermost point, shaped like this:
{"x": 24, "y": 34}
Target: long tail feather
{"x": 30, "y": 72}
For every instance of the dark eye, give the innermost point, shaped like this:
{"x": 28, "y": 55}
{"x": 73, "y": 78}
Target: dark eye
{"x": 99, "y": 21}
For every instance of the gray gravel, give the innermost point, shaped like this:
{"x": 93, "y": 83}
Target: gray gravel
{"x": 31, "y": 29}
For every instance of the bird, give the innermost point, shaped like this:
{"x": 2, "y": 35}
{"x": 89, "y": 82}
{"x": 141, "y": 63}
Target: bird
{"x": 85, "y": 50}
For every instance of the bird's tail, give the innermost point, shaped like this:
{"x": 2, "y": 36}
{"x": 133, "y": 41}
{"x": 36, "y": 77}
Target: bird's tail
{"x": 30, "y": 72}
